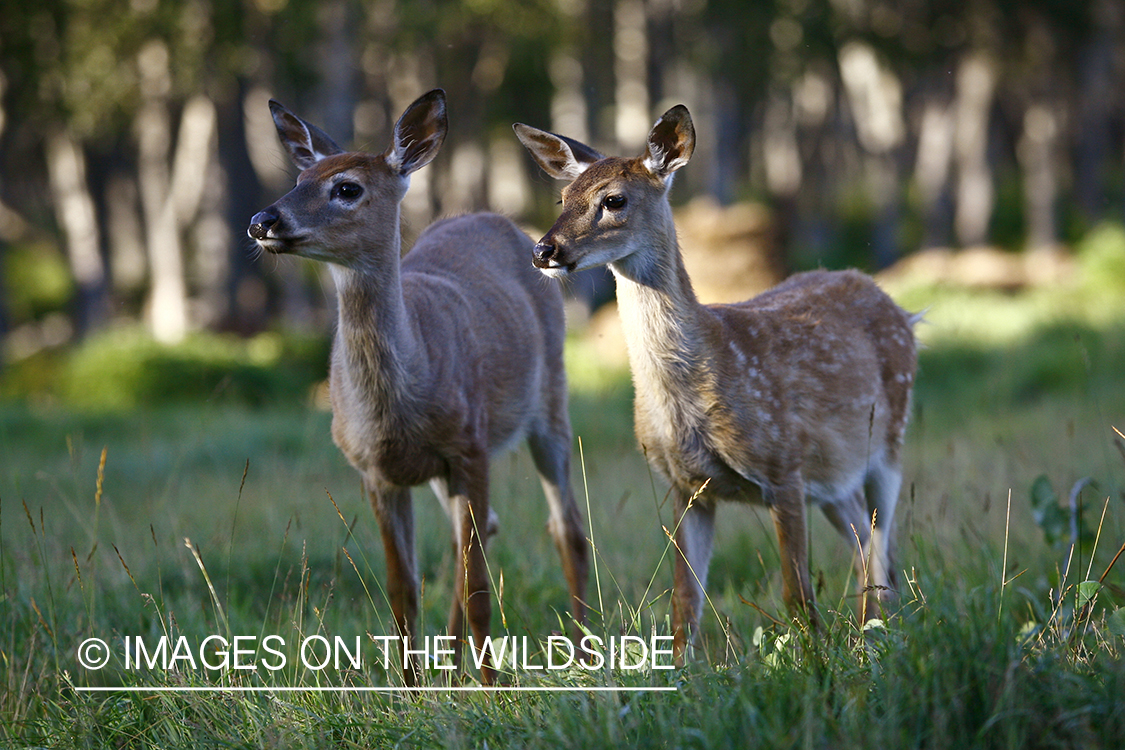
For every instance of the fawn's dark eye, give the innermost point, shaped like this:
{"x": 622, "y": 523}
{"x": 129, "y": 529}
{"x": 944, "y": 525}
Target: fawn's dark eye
{"x": 614, "y": 202}
{"x": 347, "y": 190}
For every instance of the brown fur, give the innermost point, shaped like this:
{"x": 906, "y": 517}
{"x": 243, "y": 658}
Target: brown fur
{"x": 799, "y": 394}
{"x": 441, "y": 358}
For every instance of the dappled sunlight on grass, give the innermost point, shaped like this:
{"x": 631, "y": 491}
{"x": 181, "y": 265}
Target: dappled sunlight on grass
{"x": 1093, "y": 296}
{"x": 590, "y": 373}
{"x": 125, "y": 368}
{"x": 995, "y": 318}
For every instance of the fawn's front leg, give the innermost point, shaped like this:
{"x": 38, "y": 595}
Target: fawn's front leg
{"x": 469, "y": 512}
{"x": 395, "y": 514}
{"x": 695, "y": 533}
{"x": 790, "y": 519}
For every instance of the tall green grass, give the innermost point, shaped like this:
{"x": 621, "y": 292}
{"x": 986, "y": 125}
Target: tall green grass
{"x": 971, "y": 655}
{"x": 238, "y": 517}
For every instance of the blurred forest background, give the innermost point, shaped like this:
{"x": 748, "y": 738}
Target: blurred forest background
{"x": 135, "y": 141}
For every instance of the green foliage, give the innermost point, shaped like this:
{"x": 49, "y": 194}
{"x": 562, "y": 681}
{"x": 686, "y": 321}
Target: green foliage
{"x": 1052, "y": 519}
{"x": 1060, "y": 360}
{"x": 983, "y": 347}
{"x": 1116, "y": 622}
{"x": 1101, "y": 255}
{"x": 1057, "y": 524}
{"x": 1008, "y": 228}
{"x": 36, "y": 281}
{"x": 124, "y": 369}
{"x": 76, "y": 61}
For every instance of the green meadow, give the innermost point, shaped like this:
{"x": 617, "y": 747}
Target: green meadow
{"x": 194, "y": 492}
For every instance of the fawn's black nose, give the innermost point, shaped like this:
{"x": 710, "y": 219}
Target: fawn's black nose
{"x": 260, "y": 225}
{"x": 543, "y": 255}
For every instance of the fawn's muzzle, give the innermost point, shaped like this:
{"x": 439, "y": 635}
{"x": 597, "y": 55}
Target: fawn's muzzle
{"x": 545, "y": 255}
{"x": 262, "y": 222}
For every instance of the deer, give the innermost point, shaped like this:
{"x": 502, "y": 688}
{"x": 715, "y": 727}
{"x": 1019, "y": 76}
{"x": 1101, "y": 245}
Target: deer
{"x": 799, "y": 395}
{"x": 442, "y": 358}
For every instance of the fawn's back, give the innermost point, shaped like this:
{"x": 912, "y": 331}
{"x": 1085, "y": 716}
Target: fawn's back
{"x": 813, "y": 375}
{"x": 476, "y": 306}
{"x": 493, "y": 283}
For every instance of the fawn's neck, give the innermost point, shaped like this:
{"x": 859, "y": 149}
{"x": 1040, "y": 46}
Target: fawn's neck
{"x": 375, "y": 331}
{"x": 663, "y": 322}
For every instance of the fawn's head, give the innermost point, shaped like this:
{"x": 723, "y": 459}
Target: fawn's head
{"x": 345, "y": 204}
{"x": 613, "y": 207}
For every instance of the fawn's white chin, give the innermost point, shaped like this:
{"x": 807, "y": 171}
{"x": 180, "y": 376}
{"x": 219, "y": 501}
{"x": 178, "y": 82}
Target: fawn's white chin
{"x": 556, "y": 272}
{"x": 271, "y": 245}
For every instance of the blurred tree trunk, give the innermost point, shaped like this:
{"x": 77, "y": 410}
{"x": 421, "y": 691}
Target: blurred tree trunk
{"x": 875, "y": 95}
{"x": 799, "y": 218}
{"x": 127, "y": 263}
{"x": 598, "y": 61}
{"x": 5, "y": 326}
{"x": 212, "y": 240}
{"x": 976, "y": 84}
{"x": 569, "y": 108}
{"x": 167, "y": 303}
{"x": 337, "y": 92}
{"x": 461, "y": 173}
{"x": 242, "y": 309}
{"x": 781, "y": 165}
{"x": 781, "y": 158}
{"x": 77, "y": 217}
{"x": 932, "y": 166}
{"x": 170, "y": 196}
{"x": 632, "y": 119}
{"x": 1037, "y": 153}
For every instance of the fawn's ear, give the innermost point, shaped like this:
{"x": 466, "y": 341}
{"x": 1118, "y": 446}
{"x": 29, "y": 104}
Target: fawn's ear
{"x": 670, "y": 142}
{"x": 419, "y": 133}
{"x": 562, "y": 158}
{"x": 306, "y": 143}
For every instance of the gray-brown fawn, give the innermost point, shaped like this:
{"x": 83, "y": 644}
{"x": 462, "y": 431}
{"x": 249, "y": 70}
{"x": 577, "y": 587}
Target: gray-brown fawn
{"x": 441, "y": 358}
{"x": 798, "y": 395}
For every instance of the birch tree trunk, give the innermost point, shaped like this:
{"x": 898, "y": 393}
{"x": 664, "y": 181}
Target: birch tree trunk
{"x": 630, "y": 47}
{"x": 875, "y": 95}
{"x": 1037, "y": 156}
{"x": 976, "y": 83}
{"x": 128, "y": 266}
{"x": 167, "y": 301}
{"x": 78, "y": 219}
{"x": 932, "y": 169}
{"x": 170, "y": 197}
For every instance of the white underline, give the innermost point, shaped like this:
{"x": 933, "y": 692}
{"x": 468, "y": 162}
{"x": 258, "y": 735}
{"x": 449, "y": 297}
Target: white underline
{"x": 481, "y": 689}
